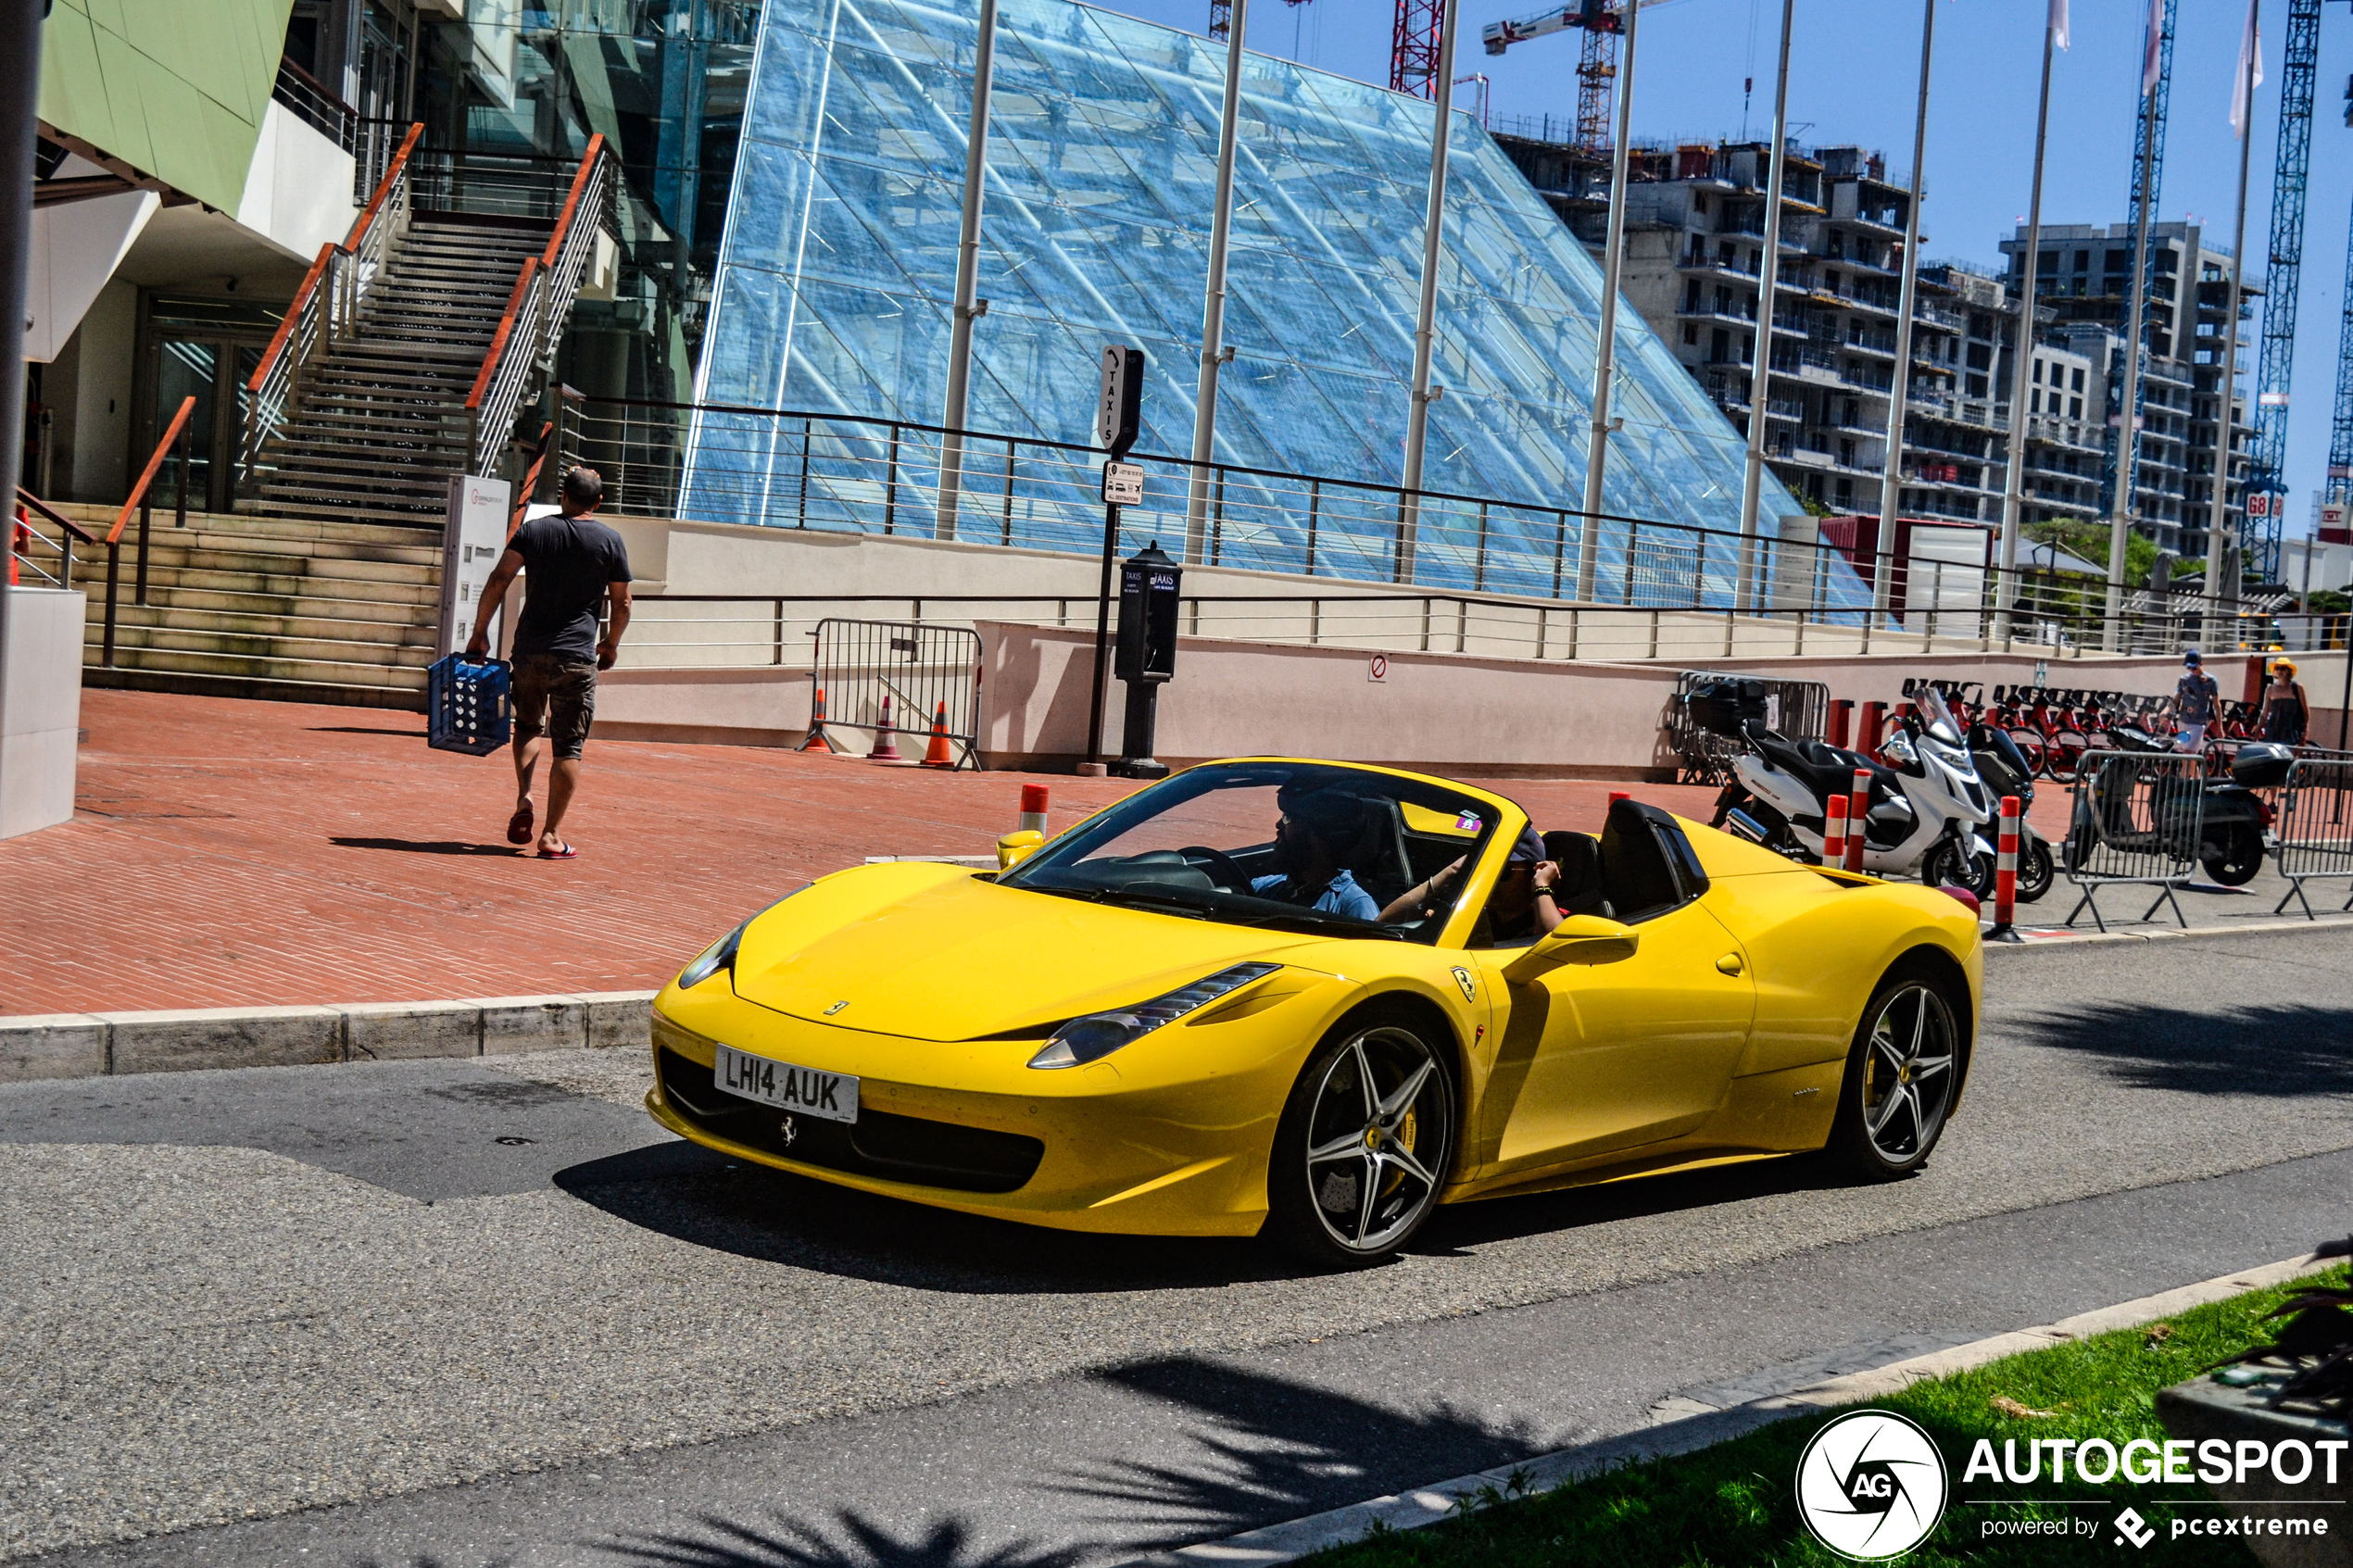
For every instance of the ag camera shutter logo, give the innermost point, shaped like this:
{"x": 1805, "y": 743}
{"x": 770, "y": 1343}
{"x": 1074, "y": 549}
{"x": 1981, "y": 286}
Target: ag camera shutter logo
{"x": 1872, "y": 1486}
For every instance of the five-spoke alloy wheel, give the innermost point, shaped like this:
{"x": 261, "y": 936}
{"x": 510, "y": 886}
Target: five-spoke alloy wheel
{"x": 1363, "y": 1146}
{"x": 1900, "y": 1077}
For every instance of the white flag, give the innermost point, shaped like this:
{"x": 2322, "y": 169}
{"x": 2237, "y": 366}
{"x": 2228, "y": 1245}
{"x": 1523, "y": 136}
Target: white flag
{"x": 2058, "y": 23}
{"x": 2153, "y": 54}
{"x": 2250, "y": 72}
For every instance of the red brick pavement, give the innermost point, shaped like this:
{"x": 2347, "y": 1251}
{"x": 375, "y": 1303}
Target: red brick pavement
{"x": 231, "y": 854}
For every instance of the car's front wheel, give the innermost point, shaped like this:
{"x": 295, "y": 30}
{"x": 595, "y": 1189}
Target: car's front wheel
{"x": 1901, "y": 1074}
{"x": 1364, "y": 1145}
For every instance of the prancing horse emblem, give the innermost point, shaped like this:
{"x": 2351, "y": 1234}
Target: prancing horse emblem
{"x": 836, "y": 1006}
{"x": 788, "y": 1129}
{"x": 1470, "y": 986}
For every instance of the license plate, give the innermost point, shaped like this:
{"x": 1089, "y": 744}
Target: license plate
{"x": 829, "y": 1096}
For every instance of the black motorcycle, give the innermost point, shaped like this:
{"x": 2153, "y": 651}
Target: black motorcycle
{"x": 2005, "y": 770}
{"x": 2231, "y": 845}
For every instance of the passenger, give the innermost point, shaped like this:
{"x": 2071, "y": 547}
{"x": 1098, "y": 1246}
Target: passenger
{"x": 2284, "y": 707}
{"x": 1314, "y": 838}
{"x": 1521, "y": 907}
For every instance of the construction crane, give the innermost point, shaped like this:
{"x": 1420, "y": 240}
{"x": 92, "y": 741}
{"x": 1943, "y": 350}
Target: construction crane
{"x": 2340, "y": 477}
{"x": 2266, "y": 475}
{"x": 2148, "y": 153}
{"x": 1596, "y": 66}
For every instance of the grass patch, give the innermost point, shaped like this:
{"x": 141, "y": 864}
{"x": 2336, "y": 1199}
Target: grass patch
{"x": 1733, "y": 1505}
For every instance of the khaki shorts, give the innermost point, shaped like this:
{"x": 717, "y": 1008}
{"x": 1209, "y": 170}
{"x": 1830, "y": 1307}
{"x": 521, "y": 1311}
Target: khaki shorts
{"x": 556, "y": 697}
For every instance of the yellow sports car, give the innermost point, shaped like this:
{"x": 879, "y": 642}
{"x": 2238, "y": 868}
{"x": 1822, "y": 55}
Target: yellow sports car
{"x": 1320, "y": 999}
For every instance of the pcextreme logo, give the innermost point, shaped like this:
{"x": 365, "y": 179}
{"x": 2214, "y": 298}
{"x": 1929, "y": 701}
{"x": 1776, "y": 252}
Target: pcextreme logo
{"x": 1872, "y": 1486}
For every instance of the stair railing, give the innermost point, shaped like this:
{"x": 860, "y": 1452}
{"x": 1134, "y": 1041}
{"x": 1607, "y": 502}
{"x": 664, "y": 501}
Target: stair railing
{"x": 177, "y": 433}
{"x": 325, "y": 308}
{"x": 522, "y": 351}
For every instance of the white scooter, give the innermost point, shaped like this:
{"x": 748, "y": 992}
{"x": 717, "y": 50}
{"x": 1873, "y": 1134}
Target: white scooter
{"x": 1923, "y": 813}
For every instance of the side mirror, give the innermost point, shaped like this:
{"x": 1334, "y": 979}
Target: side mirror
{"x": 1015, "y": 847}
{"x": 1586, "y": 939}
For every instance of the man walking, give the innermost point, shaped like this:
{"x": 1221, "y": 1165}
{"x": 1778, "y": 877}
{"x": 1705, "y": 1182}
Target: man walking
{"x": 2197, "y": 701}
{"x": 576, "y": 564}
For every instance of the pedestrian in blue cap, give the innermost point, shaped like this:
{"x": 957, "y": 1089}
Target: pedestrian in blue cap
{"x": 2196, "y": 701}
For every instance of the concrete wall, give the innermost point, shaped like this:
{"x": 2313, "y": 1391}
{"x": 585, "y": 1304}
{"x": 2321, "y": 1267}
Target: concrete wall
{"x": 40, "y": 709}
{"x": 88, "y": 389}
{"x": 298, "y": 189}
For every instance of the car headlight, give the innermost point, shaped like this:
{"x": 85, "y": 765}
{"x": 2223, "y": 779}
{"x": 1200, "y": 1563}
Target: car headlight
{"x": 722, "y": 954}
{"x": 1098, "y": 1035}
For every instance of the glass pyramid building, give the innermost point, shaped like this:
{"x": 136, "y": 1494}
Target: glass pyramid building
{"x": 838, "y": 270}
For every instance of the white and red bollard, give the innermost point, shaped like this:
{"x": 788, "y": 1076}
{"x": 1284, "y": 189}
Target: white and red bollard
{"x": 1834, "y": 832}
{"x": 2005, "y": 875}
{"x": 1856, "y": 807}
{"x": 1033, "y": 809}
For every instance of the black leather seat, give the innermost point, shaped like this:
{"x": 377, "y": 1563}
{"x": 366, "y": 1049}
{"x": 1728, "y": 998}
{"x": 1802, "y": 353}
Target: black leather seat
{"x": 1579, "y": 892}
{"x": 1827, "y": 769}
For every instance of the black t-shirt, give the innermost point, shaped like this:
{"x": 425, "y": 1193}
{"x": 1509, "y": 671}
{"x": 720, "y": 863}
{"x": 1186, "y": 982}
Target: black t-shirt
{"x": 571, "y": 559}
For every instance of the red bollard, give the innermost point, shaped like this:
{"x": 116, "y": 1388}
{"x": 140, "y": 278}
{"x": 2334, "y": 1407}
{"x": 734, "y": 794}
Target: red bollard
{"x": 1841, "y": 715}
{"x": 1834, "y": 832}
{"x": 1856, "y": 809}
{"x": 1617, "y": 794}
{"x": 2005, "y": 875}
{"x": 1867, "y": 732}
{"x": 1033, "y": 809}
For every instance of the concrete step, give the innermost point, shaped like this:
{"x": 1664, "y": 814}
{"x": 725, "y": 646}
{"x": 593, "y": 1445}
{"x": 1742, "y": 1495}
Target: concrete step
{"x": 340, "y": 512}
{"x": 273, "y": 552}
{"x": 278, "y": 636}
{"x": 403, "y": 698}
{"x": 321, "y": 674}
{"x": 238, "y": 572}
{"x": 317, "y": 651}
{"x": 308, "y": 606}
{"x": 380, "y": 505}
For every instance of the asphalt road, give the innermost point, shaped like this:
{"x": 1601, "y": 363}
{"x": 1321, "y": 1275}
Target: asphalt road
{"x": 477, "y": 1312}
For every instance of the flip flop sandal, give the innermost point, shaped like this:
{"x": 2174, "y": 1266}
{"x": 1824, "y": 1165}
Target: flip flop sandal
{"x": 518, "y": 825}
{"x": 566, "y": 853}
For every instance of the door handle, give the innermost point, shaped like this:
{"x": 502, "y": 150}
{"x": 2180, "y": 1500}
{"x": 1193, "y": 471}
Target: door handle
{"x": 1729, "y": 963}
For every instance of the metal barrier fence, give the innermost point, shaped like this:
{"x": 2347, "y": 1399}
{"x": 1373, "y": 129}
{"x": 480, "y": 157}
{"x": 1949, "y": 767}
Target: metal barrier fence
{"x": 794, "y": 469}
{"x": 1798, "y": 710}
{"x": 920, "y": 675}
{"x": 2139, "y": 818}
{"x": 2315, "y": 828}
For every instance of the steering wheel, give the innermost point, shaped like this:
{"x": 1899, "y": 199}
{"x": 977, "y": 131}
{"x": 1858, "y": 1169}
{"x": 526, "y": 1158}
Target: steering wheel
{"x": 1221, "y": 868}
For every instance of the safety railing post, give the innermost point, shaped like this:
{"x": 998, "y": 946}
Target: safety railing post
{"x": 1479, "y": 572}
{"x": 114, "y": 583}
{"x": 1005, "y": 535}
{"x": 803, "y": 521}
{"x": 1315, "y": 511}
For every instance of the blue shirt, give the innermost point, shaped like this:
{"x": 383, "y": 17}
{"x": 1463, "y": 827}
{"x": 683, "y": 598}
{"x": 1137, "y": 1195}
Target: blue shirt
{"x": 1340, "y": 895}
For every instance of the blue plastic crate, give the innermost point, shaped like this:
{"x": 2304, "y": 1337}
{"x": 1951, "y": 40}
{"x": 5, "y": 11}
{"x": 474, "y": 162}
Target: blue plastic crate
{"x": 470, "y": 704}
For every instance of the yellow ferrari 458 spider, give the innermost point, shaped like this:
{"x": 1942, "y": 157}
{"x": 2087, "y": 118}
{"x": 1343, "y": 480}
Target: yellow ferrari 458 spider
{"x": 1320, "y": 999}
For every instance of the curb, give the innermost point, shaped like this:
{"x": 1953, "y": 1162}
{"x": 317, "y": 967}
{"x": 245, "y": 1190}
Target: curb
{"x": 95, "y": 1045}
{"x": 2059, "y": 936}
{"x": 1704, "y": 1428}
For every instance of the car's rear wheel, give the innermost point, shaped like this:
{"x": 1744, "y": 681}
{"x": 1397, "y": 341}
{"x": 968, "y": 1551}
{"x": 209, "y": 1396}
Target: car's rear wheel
{"x": 1901, "y": 1074}
{"x": 1364, "y": 1145}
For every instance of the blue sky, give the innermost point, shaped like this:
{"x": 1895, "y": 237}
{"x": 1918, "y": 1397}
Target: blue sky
{"x": 1853, "y": 68}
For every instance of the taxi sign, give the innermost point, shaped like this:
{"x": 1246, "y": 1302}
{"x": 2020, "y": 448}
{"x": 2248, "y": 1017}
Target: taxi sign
{"x": 1123, "y": 484}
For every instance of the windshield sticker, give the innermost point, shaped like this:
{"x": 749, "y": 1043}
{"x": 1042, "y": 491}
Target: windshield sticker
{"x": 1462, "y": 823}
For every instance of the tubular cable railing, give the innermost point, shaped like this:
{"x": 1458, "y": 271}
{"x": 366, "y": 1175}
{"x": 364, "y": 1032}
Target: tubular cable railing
{"x": 522, "y": 351}
{"x": 325, "y": 308}
{"x": 67, "y": 532}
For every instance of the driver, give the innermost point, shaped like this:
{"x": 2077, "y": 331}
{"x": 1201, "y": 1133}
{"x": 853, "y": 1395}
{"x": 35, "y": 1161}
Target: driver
{"x": 1317, "y": 831}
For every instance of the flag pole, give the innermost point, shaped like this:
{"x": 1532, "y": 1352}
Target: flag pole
{"x": 1589, "y": 538}
{"x": 1761, "y": 358}
{"x": 1213, "y": 309}
{"x": 2022, "y": 359}
{"x": 2217, "y": 552}
{"x": 1892, "y": 463}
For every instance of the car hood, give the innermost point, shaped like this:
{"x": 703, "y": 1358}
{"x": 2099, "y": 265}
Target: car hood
{"x": 933, "y": 952}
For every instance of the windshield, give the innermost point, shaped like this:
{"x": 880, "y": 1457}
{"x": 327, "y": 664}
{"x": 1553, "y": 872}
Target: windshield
{"x": 1297, "y": 846}
{"x": 1937, "y": 717}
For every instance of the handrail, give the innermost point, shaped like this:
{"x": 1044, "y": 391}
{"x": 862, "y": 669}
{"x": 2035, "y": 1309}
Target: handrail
{"x": 497, "y": 353}
{"x": 393, "y": 171}
{"x": 293, "y": 314}
{"x": 588, "y": 162}
{"x": 155, "y": 465}
{"x": 28, "y": 499}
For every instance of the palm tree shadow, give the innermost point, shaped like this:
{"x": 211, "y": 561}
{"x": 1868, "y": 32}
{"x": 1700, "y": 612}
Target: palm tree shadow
{"x": 2274, "y": 1049}
{"x": 852, "y": 1542}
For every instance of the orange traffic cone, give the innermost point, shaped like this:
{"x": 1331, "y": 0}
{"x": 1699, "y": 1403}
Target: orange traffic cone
{"x": 817, "y": 741}
{"x": 884, "y": 751}
{"x": 937, "y": 756}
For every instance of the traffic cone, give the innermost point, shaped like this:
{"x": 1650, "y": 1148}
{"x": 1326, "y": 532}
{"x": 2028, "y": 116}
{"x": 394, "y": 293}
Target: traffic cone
{"x": 937, "y": 754}
{"x": 817, "y": 741}
{"x": 884, "y": 750}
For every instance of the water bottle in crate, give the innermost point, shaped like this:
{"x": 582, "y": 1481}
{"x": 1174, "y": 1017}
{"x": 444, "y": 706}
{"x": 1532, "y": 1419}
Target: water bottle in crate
{"x": 469, "y": 705}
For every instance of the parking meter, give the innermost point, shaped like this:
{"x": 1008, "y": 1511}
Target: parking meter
{"x": 1150, "y": 587}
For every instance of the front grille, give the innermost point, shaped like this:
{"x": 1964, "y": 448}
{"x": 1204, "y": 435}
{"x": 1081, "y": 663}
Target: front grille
{"x": 898, "y": 1149}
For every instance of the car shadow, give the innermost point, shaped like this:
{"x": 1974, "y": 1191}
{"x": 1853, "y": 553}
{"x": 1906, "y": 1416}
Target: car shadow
{"x": 425, "y": 846}
{"x": 2276, "y": 1050}
{"x": 705, "y": 1199}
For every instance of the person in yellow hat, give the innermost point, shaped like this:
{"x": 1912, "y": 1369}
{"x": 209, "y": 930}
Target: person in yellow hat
{"x": 2284, "y": 707}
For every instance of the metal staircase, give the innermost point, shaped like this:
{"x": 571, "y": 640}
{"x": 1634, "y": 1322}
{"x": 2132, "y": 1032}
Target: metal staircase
{"x": 406, "y": 358}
